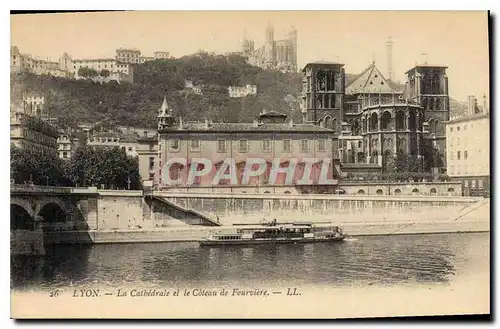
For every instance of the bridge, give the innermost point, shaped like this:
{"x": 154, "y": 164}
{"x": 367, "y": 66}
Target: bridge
{"x": 40, "y": 213}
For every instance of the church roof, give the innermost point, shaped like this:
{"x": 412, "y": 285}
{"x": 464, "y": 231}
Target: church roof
{"x": 370, "y": 80}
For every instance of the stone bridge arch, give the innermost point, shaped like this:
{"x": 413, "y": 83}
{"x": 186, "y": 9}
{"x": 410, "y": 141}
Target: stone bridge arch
{"x": 25, "y": 204}
{"x": 54, "y": 205}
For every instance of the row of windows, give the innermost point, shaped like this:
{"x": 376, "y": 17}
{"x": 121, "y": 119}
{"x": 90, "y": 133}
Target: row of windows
{"x": 472, "y": 183}
{"x": 467, "y": 169}
{"x": 64, "y": 147}
{"x": 130, "y": 148}
{"x": 243, "y": 145}
{"x": 39, "y": 138}
{"x": 464, "y": 127}
{"x": 459, "y": 155}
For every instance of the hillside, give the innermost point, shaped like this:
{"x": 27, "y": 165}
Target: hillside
{"x": 78, "y": 101}
{"x": 75, "y": 101}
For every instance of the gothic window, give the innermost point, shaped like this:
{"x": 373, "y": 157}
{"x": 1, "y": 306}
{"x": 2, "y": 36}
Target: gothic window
{"x": 424, "y": 104}
{"x": 385, "y": 121}
{"x": 413, "y": 121}
{"x": 321, "y": 81}
{"x": 374, "y": 122}
{"x": 400, "y": 120}
{"x": 319, "y": 101}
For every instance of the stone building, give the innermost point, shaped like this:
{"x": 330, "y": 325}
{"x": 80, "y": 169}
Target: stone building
{"x": 274, "y": 54}
{"x": 66, "y": 145}
{"x": 127, "y": 55}
{"x": 373, "y": 118}
{"x": 68, "y": 67}
{"x": 272, "y": 136}
{"x": 30, "y": 133}
{"x": 468, "y": 150}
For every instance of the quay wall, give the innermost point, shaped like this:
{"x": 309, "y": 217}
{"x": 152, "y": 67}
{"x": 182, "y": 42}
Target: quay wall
{"x": 245, "y": 208}
{"x": 196, "y": 233}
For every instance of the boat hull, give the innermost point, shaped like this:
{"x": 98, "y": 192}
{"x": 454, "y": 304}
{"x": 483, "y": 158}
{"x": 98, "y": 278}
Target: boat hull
{"x": 214, "y": 243}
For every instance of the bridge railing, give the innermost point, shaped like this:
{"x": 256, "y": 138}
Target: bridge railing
{"x": 29, "y": 188}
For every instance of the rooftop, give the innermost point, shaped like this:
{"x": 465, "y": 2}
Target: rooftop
{"x": 322, "y": 63}
{"x": 478, "y": 116}
{"x": 250, "y": 127}
{"x": 371, "y": 80}
{"x": 425, "y": 65}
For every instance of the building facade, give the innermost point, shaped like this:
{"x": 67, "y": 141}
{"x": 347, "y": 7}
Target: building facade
{"x": 68, "y": 67}
{"x": 237, "y": 92}
{"x": 271, "y": 137}
{"x": 66, "y": 145}
{"x": 128, "y": 55}
{"x": 161, "y": 55}
{"x": 274, "y": 54}
{"x": 468, "y": 151}
{"x": 30, "y": 133}
{"x": 147, "y": 153}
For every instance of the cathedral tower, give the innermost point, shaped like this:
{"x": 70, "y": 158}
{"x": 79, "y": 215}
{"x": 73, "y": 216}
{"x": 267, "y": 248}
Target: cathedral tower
{"x": 323, "y": 89}
{"x": 270, "y": 56}
{"x": 428, "y": 86}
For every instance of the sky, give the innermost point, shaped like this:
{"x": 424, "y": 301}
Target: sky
{"x": 458, "y": 40}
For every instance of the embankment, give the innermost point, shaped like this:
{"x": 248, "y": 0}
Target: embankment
{"x": 357, "y": 215}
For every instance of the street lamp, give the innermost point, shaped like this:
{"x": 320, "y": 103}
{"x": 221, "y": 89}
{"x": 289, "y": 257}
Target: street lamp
{"x": 128, "y": 182}
{"x": 47, "y": 180}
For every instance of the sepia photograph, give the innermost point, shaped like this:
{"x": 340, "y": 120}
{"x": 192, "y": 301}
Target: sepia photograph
{"x": 249, "y": 164}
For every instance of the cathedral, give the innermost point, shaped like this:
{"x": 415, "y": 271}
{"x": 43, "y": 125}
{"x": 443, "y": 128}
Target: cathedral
{"x": 372, "y": 118}
{"x": 274, "y": 54}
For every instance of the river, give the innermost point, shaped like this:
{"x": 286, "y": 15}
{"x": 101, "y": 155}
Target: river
{"x": 371, "y": 260}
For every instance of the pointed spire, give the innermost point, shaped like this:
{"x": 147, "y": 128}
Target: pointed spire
{"x": 164, "y": 106}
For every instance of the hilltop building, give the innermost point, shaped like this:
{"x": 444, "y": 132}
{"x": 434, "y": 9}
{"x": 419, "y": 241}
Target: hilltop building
{"x": 161, "y": 55}
{"x": 127, "y": 55}
{"x": 274, "y": 54}
{"x": 106, "y": 69}
{"x": 116, "y": 69}
{"x": 238, "y": 92}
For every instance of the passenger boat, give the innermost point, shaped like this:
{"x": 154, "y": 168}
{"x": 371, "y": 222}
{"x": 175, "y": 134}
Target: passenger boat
{"x": 274, "y": 233}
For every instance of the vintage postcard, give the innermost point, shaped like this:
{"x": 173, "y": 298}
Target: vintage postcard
{"x": 249, "y": 164}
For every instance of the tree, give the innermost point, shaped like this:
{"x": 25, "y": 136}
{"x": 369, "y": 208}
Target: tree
{"x": 87, "y": 72}
{"x": 104, "y": 73}
{"x": 103, "y": 167}
{"x": 37, "y": 168}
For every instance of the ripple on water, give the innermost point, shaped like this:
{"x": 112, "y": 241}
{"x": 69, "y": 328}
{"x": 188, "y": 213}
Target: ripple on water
{"x": 380, "y": 260}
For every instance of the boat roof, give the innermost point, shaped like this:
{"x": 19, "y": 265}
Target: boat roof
{"x": 277, "y": 226}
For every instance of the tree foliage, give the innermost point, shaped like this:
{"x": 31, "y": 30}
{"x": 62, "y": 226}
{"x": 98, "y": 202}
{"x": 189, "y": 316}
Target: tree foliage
{"x": 39, "y": 169}
{"x": 104, "y": 167}
{"x": 87, "y": 72}
{"x": 108, "y": 168}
